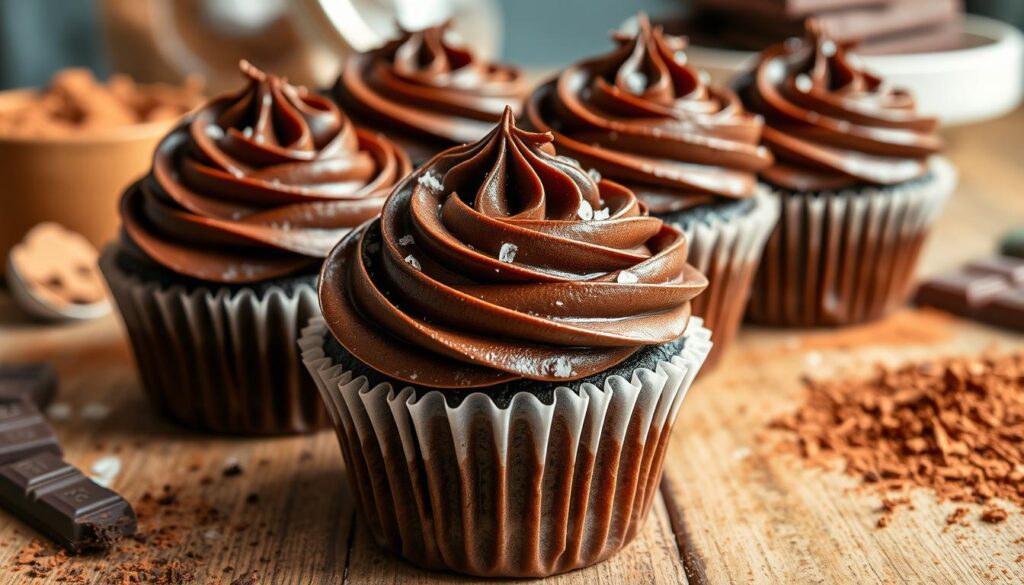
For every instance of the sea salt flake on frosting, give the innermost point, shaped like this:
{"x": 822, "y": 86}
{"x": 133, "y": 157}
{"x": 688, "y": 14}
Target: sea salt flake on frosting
{"x": 594, "y": 174}
{"x": 828, "y": 48}
{"x": 247, "y": 132}
{"x": 406, "y": 240}
{"x": 704, "y": 77}
{"x": 562, "y": 368}
{"x": 507, "y": 254}
{"x": 586, "y": 212}
{"x": 601, "y": 214}
{"x": 214, "y": 131}
{"x": 804, "y": 83}
{"x": 626, "y": 277}
{"x": 430, "y": 181}
{"x": 412, "y": 261}
{"x": 636, "y": 81}
{"x": 680, "y": 57}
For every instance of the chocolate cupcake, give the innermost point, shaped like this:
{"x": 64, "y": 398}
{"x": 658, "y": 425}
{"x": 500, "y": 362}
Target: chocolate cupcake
{"x": 503, "y": 355}
{"x": 426, "y": 92}
{"x": 221, "y": 243}
{"x": 640, "y": 115}
{"x": 859, "y": 179}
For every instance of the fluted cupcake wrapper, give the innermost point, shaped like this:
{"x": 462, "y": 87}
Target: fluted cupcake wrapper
{"x": 728, "y": 252}
{"x": 527, "y": 488}
{"x": 847, "y": 257}
{"x": 220, "y": 360}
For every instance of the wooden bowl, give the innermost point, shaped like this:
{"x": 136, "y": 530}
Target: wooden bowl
{"x": 73, "y": 180}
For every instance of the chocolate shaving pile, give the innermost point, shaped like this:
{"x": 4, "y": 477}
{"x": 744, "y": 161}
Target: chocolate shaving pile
{"x": 954, "y": 425}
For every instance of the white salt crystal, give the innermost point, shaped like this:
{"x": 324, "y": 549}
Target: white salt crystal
{"x": 563, "y": 369}
{"x": 59, "y": 411}
{"x": 430, "y": 181}
{"x": 594, "y": 175}
{"x": 406, "y": 240}
{"x": 507, "y": 254}
{"x": 105, "y": 469}
{"x": 602, "y": 214}
{"x": 828, "y": 48}
{"x": 804, "y": 83}
{"x": 214, "y": 131}
{"x": 247, "y": 132}
{"x": 586, "y": 212}
{"x": 412, "y": 261}
{"x": 636, "y": 81}
{"x": 626, "y": 277}
{"x": 95, "y": 411}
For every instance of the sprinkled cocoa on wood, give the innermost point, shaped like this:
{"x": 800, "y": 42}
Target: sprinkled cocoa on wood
{"x": 953, "y": 425}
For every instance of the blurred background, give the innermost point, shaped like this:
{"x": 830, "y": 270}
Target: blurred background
{"x": 39, "y": 37}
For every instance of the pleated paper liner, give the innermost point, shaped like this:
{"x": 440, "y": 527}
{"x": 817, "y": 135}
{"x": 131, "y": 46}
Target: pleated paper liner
{"x": 847, "y": 257}
{"x": 526, "y": 489}
{"x": 220, "y": 360}
{"x": 728, "y": 252}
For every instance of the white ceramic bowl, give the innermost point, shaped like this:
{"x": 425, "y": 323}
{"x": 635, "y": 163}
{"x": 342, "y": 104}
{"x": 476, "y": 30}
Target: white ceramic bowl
{"x": 980, "y": 81}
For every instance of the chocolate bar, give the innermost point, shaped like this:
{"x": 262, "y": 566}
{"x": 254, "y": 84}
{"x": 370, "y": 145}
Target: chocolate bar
{"x": 990, "y": 290}
{"x": 63, "y": 504}
{"x": 23, "y": 432}
{"x": 36, "y": 484}
{"x": 36, "y": 382}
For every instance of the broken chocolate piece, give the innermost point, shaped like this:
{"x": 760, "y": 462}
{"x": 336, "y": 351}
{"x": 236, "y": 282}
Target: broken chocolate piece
{"x": 35, "y": 382}
{"x": 63, "y": 504}
{"x": 990, "y": 290}
{"x": 24, "y": 432}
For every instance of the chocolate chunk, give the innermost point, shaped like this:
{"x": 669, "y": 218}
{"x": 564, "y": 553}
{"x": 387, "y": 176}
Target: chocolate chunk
{"x": 60, "y": 502}
{"x": 24, "y": 432}
{"x": 960, "y": 292}
{"x": 36, "y": 382}
{"x": 1011, "y": 269}
{"x": 1006, "y": 310}
{"x": 989, "y": 290}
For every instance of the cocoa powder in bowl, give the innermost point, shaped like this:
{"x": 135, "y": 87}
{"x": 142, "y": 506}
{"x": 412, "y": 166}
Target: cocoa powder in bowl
{"x": 953, "y": 425}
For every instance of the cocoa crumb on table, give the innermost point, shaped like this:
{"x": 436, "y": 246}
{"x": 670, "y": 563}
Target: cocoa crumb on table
{"x": 953, "y": 425}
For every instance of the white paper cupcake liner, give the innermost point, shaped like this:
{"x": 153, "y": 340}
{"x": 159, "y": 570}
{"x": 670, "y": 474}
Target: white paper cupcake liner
{"x": 220, "y": 360}
{"x": 528, "y": 489}
{"x": 847, "y": 257}
{"x": 728, "y": 252}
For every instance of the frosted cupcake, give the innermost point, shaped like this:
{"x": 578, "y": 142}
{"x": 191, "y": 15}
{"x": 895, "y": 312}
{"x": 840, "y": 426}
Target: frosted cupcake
{"x": 222, "y": 241}
{"x": 503, "y": 354}
{"x": 640, "y": 115}
{"x": 428, "y": 92}
{"x": 859, "y": 179}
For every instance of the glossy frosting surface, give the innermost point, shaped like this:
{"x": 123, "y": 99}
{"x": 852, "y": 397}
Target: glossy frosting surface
{"x": 500, "y": 260}
{"x": 830, "y": 123}
{"x": 258, "y": 184}
{"x": 642, "y": 116}
{"x": 427, "y": 86}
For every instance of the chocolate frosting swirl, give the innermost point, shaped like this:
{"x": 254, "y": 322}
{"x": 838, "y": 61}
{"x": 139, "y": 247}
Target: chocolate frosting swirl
{"x": 642, "y": 116}
{"x": 829, "y": 123}
{"x": 258, "y": 184}
{"x": 421, "y": 87}
{"x": 499, "y": 261}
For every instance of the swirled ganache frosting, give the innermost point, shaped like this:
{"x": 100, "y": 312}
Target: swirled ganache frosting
{"x": 831, "y": 124}
{"x": 642, "y": 116}
{"x": 424, "y": 87}
{"x": 499, "y": 261}
{"x": 258, "y": 184}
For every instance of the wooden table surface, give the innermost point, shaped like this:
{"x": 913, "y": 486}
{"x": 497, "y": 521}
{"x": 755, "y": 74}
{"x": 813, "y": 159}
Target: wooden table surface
{"x": 732, "y": 509}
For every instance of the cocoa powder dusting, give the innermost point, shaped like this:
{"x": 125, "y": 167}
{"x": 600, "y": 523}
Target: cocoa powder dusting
{"x": 953, "y": 425}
